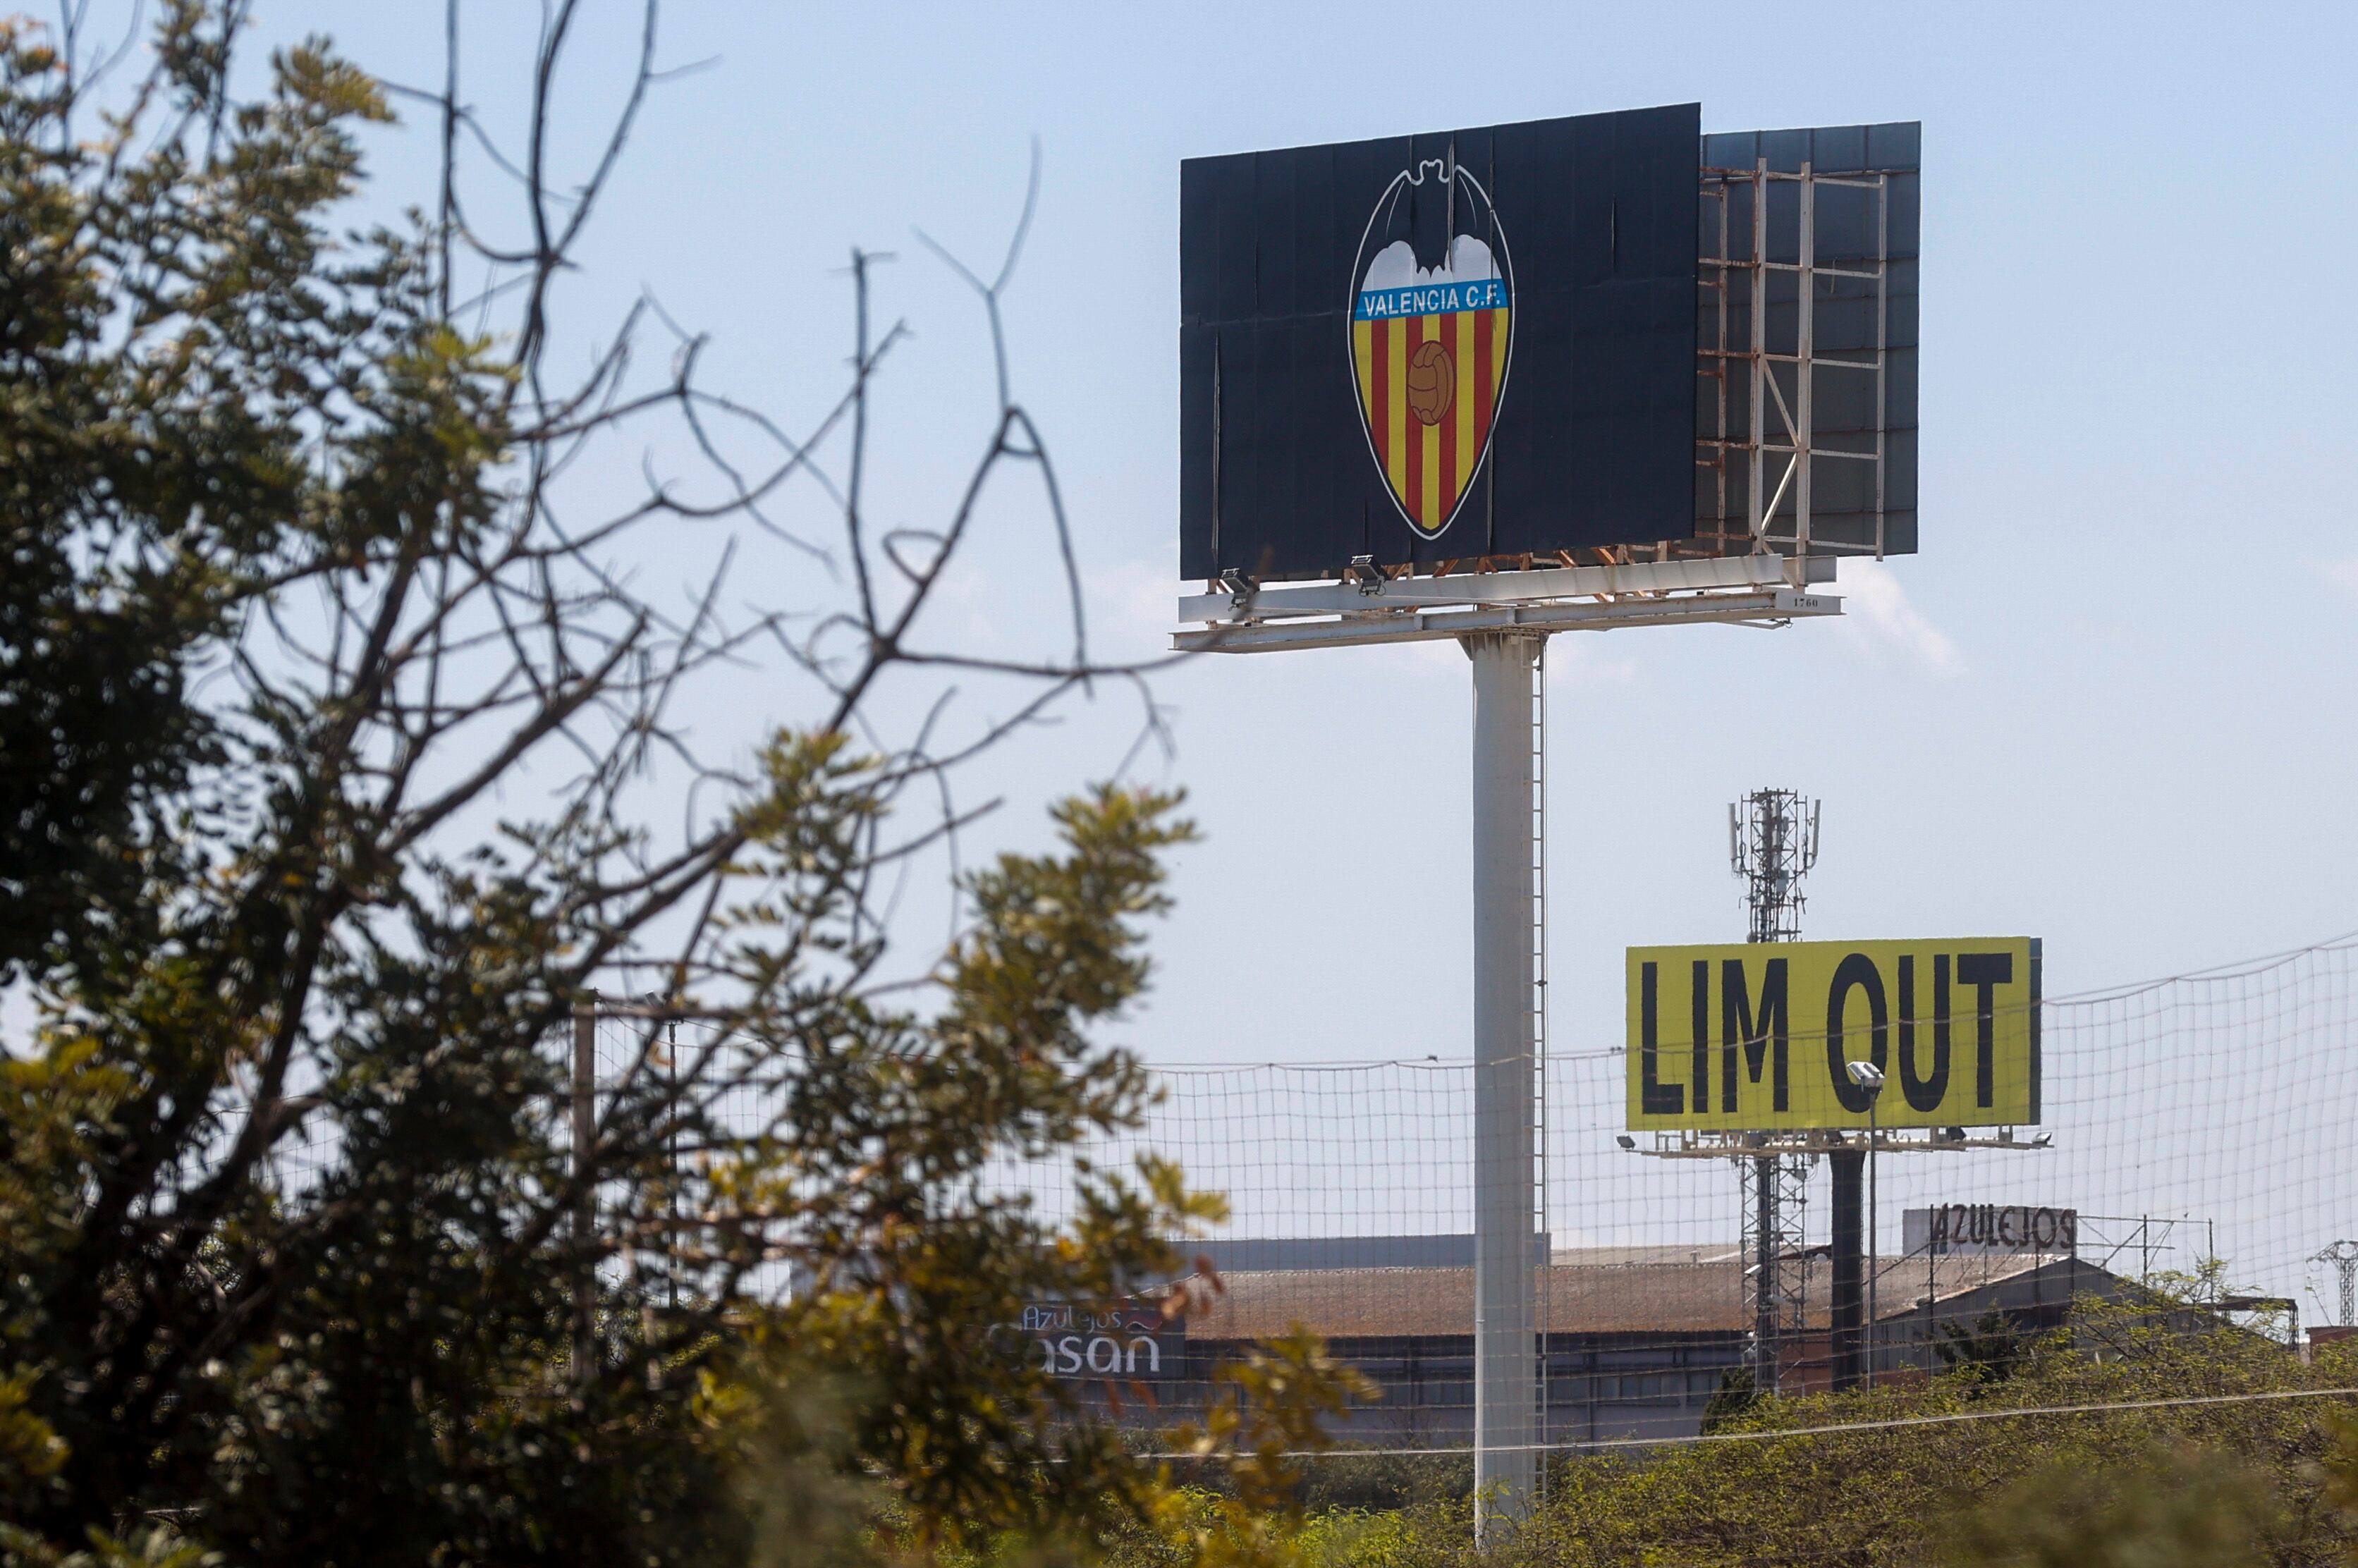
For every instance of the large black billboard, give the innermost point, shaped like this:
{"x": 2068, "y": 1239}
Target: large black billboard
{"x": 1443, "y": 347}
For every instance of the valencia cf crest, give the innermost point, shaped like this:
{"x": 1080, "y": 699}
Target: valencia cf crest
{"x": 1432, "y": 327}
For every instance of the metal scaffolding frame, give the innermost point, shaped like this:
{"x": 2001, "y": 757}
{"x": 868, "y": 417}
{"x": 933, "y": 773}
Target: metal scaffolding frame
{"x": 1778, "y": 369}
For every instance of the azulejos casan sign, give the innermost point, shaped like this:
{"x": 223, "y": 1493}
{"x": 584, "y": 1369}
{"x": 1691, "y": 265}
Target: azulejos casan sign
{"x": 1989, "y": 1230}
{"x": 1069, "y": 1341}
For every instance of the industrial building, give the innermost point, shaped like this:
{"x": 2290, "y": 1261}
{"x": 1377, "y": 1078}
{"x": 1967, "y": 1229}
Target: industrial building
{"x": 1634, "y": 1340}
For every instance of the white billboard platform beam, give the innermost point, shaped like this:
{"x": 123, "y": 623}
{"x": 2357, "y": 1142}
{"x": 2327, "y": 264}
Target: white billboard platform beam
{"x": 1507, "y": 588}
{"x": 1760, "y": 607}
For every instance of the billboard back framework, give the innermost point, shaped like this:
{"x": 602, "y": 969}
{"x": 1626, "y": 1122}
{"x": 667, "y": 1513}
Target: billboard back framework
{"x": 1805, "y": 419}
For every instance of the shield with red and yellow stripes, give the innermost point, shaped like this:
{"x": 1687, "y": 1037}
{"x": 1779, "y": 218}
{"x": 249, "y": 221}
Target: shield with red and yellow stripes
{"x": 1432, "y": 328}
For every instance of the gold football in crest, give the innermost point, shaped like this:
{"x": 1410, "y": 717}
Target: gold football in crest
{"x": 1431, "y": 382}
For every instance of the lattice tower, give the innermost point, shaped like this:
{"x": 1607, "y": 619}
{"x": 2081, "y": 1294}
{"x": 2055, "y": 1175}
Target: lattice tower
{"x": 2344, "y": 1256}
{"x": 1773, "y": 844}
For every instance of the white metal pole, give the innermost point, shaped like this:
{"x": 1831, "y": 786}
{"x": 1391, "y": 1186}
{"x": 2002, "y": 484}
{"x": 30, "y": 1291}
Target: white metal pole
{"x": 1505, "y": 1350}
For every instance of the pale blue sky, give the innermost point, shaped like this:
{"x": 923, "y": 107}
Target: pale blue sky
{"x": 2109, "y": 705}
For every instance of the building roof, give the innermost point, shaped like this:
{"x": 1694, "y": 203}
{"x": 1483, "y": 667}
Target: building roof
{"x": 1617, "y": 1290}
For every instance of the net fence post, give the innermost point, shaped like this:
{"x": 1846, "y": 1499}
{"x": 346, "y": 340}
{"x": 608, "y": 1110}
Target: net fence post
{"x": 585, "y": 1196}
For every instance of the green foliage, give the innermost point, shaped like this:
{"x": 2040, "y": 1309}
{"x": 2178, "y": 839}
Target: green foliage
{"x": 179, "y": 329}
{"x": 1266, "y": 1407}
{"x": 323, "y": 732}
{"x": 2271, "y": 1482}
{"x": 1243, "y": 1501}
{"x": 1736, "y": 1394}
{"x": 1990, "y": 1351}
{"x": 2175, "y": 1508}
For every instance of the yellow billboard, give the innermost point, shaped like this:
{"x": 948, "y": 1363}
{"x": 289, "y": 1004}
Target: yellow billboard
{"x": 1756, "y": 1037}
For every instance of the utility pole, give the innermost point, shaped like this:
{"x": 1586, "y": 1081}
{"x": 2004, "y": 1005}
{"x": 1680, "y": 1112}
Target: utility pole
{"x": 1773, "y": 844}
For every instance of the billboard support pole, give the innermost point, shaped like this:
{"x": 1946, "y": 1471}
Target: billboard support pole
{"x": 1505, "y": 1111}
{"x": 1874, "y": 1248}
{"x": 1848, "y": 1257}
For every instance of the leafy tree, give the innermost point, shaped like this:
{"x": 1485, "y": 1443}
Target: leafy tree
{"x": 1265, "y": 1411}
{"x": 1990, "y": 1351}
{"x": 1940, "y": 1472}
{"x": 1738, "y": 1394}
{"x": 2178, "y": 1508}
{"x": 344, "y": 769}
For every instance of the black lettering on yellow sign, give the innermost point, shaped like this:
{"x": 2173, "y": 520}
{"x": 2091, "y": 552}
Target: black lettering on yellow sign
{"x": 1660, "y": 1099}
{"x": 1984, "y": 972}
{"x": 1699, "y": 1027}
{"x": 1924, "y": 1090}
{"x": 1777, "y": 1025}
{"x": 1856, "y": 973}
{"x": 1740, "y": 1031}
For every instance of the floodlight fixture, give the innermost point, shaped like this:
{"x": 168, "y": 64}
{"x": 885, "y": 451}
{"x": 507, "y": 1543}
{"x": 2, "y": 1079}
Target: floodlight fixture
{"x": 1624, "y": 1139}
{"x": 1867, "y": 1075}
